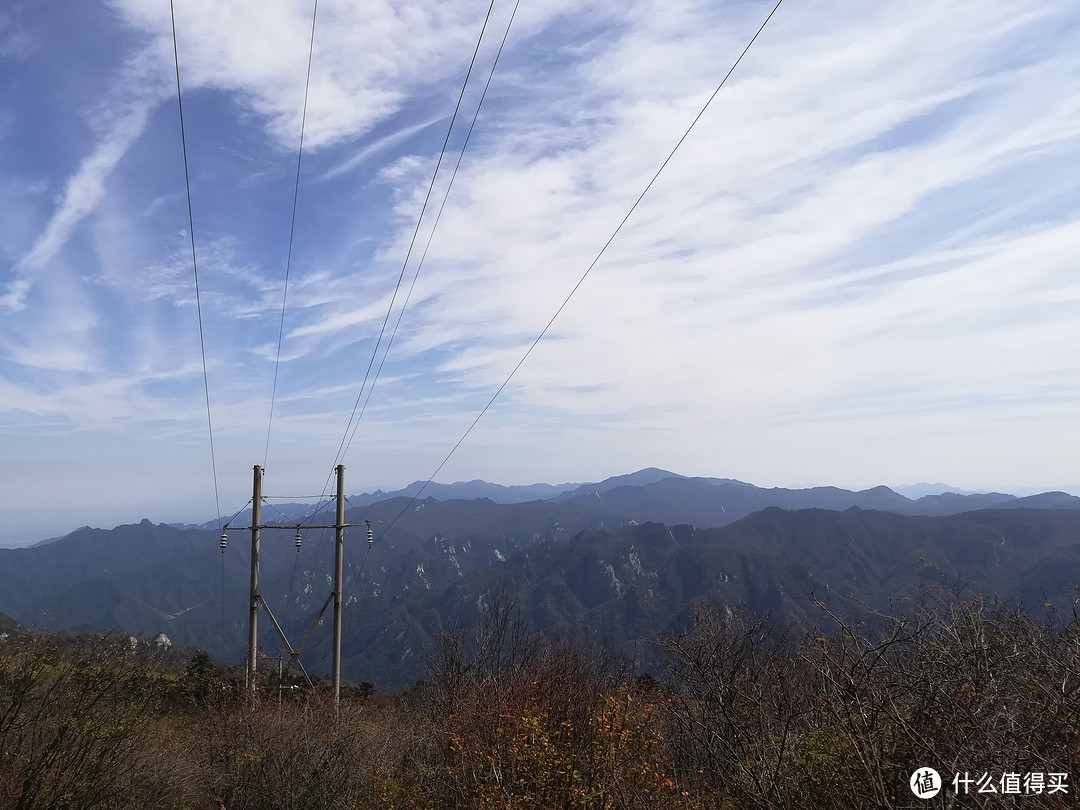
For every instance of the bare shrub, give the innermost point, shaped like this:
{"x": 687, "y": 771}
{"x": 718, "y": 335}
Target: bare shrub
{"x": 737, "y": 707}
{"x": 301, "y": 754}
{"x": 76, "y": 726}
{"x": 955, "y": 683}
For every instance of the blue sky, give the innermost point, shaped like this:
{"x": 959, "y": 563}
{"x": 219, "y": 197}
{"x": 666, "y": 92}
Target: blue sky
{"x": 858, "y": 269}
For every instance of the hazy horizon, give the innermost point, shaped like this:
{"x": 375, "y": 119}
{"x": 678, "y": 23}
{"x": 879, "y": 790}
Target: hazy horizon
{"x": 20, "y": 527}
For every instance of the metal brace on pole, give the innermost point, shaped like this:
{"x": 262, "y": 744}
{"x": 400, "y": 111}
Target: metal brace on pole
{"x": 336, "y": 595}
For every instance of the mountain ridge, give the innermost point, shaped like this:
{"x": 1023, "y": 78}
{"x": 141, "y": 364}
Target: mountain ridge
{"x": 567, "y": 559}
{"x": 948, "y": 502}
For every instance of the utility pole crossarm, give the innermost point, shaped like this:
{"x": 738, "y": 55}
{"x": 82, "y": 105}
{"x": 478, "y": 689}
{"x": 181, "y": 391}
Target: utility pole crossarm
{"x": 335, "y": 597}
{"x": 293, "y": 527}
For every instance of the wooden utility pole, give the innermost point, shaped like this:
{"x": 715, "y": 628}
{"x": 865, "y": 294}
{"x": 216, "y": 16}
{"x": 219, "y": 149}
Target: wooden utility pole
{"x": 339, "y": 526}
{"x": 253, "y": 605}
{"x": 339, "y": 555}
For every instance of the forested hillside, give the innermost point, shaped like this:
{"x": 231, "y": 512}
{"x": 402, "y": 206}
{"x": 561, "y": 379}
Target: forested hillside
{"x": 598, "y": 566}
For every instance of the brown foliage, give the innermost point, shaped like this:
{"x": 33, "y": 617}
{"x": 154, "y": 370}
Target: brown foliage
{"x": 845, "y": 718}
{"x": 78, "y": 727}
{"x": 529, "y": 723}
{"x": 751, "y": 716}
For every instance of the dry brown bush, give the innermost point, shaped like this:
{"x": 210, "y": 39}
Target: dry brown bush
{"x": 78, "y": 727}
{"x": 752, "y": 716}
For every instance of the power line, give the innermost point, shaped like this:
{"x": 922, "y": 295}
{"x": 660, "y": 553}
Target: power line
{"x": 292, "y": 230}
{"x": 345, "y": 438}
{"x": 438, "y": 216}
{"x": 195, "y": 267}
{"x": 198, "y": 309}
{"x": 412, "y": 243}
{"x": 588, "y": 270}
{"x": 288, "y": 267}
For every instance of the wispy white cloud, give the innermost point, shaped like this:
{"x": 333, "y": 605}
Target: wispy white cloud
{"x": 824, "y": 146}
{"x": 121, "y": 121}
{"x": 15, "y": 297}
{"x": 368, "y": 57}
{"x": 378, "y": 146}
{"x": 868, "y": 232}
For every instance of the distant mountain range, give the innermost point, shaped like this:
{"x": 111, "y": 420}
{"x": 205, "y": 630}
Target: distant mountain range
{"x": 734, "y": 498}
{"x": 615, "y": 561}
{"x": 467, "y": 491}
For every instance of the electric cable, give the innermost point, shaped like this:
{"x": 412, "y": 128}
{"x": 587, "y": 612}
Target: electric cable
{"x": 288, "y": 268}
{"x": 588, "y": 270}
{"x": 405, "y": 263}
{"x": 286, "y": 519}
{"x": 198, "y": 309}
{"x": 296, "y": 559}
{"x": 195, "y": 267}
{"x": 412, "y": 242}
{"x": 237, "y": 512}
{"x": 438, "y": 217}
{"x": 292, "y": 230}
{"x": 292, "y": 583}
